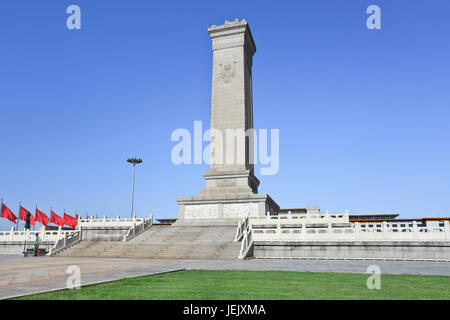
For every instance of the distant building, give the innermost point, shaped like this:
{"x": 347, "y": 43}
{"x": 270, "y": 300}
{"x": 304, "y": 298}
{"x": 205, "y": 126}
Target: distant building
{"x": 373, "y": 217}
{"x": 166, "y": 221}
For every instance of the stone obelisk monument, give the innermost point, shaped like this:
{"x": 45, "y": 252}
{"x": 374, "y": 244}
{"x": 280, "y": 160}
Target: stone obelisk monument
{"x": 231, "y": 190}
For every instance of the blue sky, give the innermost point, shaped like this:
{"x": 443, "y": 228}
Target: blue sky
{"x": 363, "y": 114}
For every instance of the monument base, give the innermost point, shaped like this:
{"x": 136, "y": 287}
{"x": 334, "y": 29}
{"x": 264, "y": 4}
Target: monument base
{"x": 231, "y": 207}
{"x": 230, "y": 182}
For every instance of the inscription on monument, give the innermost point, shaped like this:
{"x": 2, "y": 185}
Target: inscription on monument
{"x": 226, "y": 183}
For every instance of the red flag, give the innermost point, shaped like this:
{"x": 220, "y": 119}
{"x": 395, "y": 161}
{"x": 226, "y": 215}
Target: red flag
{"x": 23, "y": 215}
{"x": 41, "y": 217}
{"x": 54, "y": 218}
{"x": 7, "y": 214}
{"x": 70, "y": 221}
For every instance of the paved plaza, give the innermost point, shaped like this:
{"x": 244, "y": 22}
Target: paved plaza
{"x": 22, "y": 276}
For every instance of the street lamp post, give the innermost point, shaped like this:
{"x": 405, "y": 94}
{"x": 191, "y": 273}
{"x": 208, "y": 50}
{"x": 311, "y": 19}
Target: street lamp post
{"x": 133, "y": 161}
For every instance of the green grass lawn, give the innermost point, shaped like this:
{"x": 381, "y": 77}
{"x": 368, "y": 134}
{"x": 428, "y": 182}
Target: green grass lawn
{"x": 266, "y": 285}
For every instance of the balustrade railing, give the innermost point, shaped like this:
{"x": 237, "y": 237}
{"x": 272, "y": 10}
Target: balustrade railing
{"x": 135, "y": 226}
{"x": 110, "y": 222}
{"x": 66, "y": 241}
{"x": 139, "y": 227}
{"x": 44, "y": 235}
{"x": 384, "y": 232}
{"x": 242, "y": 227}
{"x": 246, "y": 244}
{"x": 301, "y": 218}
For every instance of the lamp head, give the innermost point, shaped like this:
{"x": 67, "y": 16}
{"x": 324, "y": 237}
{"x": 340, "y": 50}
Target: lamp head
{"x": 134, "y": 160}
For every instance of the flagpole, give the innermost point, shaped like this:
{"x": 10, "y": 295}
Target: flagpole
{"x": 25, "y": 242}
{"x": 20, "y": 204}
{"x": 34, "y": 227}
{"x": 1, "y": 208}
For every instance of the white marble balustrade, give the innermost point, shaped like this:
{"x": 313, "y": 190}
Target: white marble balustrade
{"x": 355, "y": 232}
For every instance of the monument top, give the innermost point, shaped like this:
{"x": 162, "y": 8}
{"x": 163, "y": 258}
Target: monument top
{"x": 231, "y": 34}
{"x": 229, "y": 24}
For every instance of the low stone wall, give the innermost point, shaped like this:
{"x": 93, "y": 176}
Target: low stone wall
{"x": 94, "y": 231}
{"x": 389, "y": 250}
{"x": 104, "y": 233}
{"x": 16, "y": 247}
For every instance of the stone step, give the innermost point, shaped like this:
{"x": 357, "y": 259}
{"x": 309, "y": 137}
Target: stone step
{"x": 185, "y": 242}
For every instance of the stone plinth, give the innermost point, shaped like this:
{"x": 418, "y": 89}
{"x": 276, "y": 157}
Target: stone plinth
{"x": 225, "y": 206}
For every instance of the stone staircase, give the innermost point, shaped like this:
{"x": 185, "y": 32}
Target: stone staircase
{"x": 166, "y": 242}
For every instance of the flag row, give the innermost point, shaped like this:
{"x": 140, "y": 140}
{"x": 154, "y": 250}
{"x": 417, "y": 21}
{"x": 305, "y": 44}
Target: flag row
{"x": 39, "y": 216}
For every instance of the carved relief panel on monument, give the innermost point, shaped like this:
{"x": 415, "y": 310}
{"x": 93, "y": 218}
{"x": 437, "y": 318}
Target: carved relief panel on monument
{"x": 228, "y": 72}
{"x": 240, "y": 210}
{"x": 202, "y": 211}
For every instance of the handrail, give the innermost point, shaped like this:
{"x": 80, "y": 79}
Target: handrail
{"x": 136, "y": 229}
{"x": 247, "y": 244}
{"x": 65, "y": 242}
{"x": 242, "y": 226}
